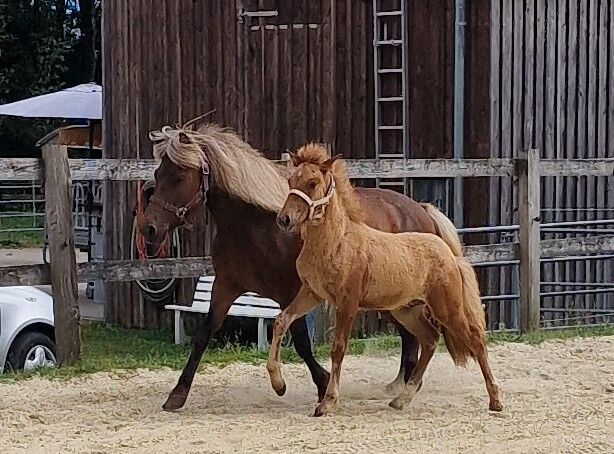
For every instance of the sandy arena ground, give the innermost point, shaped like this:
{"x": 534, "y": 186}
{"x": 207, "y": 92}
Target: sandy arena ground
{"x": 558, "y": 397}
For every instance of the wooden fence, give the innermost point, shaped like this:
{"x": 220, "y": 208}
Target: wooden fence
{"x": 63, "y": 273}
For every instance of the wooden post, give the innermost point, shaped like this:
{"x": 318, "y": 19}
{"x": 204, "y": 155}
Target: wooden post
{"x": 529, "y": 241}
{"x": 62, "y": 257}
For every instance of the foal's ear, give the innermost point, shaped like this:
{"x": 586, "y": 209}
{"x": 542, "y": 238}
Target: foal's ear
{"x": 326, "y": 165}
{"x": 183, "y": 138}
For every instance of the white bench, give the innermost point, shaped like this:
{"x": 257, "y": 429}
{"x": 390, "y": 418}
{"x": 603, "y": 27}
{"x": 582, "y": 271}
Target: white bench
{"x": 248, "y": 305}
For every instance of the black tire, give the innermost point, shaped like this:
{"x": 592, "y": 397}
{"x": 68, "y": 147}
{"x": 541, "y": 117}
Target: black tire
{"x": 23, "y": 344}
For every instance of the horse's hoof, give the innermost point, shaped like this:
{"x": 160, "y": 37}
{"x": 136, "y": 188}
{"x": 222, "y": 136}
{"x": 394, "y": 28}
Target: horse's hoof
{"x": 495, "y": 406}
{"x": 396, "y": 403}
{"x": 280, "y": 389}
{"x": 174, "y": 402}
{"x": 323, "y": 409}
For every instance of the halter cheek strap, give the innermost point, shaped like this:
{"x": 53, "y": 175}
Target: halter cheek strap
{"x": 319, "y": 204}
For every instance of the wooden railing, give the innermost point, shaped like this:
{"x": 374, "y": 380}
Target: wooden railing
{"x": 63, "y": 273}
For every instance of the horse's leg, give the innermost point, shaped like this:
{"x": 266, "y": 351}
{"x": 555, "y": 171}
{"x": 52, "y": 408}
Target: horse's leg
{"x": 223, "y": 295}
{"x": 413, "y": 319}
{"x": 491, "y": 387}
{"x": 409, "y": 357}
{"x": 343, "y": 325}
{"x": 300, "y": 336}
{"x": 303, "y": 302}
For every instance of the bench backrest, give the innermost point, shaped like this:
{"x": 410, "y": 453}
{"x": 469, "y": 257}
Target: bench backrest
{"x": 203, "y": 295}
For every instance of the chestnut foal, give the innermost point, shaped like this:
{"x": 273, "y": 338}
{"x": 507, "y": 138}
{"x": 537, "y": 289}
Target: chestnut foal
{"x": 415, "y": 276}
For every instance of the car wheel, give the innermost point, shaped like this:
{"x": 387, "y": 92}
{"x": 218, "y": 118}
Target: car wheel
{"x": 30, "y": 351}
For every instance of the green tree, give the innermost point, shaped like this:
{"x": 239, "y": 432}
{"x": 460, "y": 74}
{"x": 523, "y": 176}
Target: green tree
{"x": 44, "y": 46}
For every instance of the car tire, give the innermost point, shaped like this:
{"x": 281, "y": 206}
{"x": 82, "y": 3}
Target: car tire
{"x": 26, "y": 347}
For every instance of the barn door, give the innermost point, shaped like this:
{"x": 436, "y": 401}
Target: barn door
{"x": 287, "y": 60}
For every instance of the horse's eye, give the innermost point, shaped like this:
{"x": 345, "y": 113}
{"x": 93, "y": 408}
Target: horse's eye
{"x": 313, "y": 184}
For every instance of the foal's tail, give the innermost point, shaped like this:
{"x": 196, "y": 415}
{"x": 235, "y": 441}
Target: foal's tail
{"x": 466, "y": 336}
{"x": 445, "y": 229}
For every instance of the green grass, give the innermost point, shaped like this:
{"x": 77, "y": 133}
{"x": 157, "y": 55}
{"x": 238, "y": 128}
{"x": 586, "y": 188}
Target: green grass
{"x": 110, "y": 348}
{"x": 15, "y": 240}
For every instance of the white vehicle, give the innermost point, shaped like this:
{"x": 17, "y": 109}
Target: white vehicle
{"x": 27, "y": 336}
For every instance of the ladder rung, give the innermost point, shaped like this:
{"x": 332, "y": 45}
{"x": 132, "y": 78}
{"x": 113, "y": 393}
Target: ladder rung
{"x": 389, "y": 13}
{"x": 391, "y": 183}
{"x": 389, "y": 42}
{"x": 391, "y": 155}
{"x": 390, "y": 98}
{"x": 390, "y": 127}
{"x": 389, "y": 70}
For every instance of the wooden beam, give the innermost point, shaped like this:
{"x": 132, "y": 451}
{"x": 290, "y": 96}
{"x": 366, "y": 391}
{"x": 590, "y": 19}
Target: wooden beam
{"x": 111, "y": 271}
{"x": 26, "y": 169}
{"x": 125, "y": 270}
{"x": 62, "y": 257}
{"x": 603, "y": 167}
{"x": 528, "y": 236}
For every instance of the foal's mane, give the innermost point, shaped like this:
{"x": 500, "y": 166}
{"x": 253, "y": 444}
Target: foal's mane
{"x": 313, "y": 153}
{"x": 236, "y": 167}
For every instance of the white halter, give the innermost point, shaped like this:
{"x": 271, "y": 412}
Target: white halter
{"x": 320, "y": 203}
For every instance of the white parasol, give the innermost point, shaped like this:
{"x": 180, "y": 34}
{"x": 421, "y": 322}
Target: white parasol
{"x": 80, "y": 102}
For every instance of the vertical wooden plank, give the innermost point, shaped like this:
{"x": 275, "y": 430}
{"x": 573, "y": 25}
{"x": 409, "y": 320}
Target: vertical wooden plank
{"x": 343, "y": 77}
{"x": 518, "y": 119}
{"x": 602, "y": 132}
{"x": 62, "y": 257}
{"x": 316, "y": 89}
{"x": 358, "y": 70}
{"x": 528, "y": 236}
{"x": 528, "y": 87}
{"x": 328, "y": 72}
{"x": 550, "y": 84}
{"x": 572, "y": 125}
{"x": 582, "y": 139}
{"x": 497, "y": 111}
{"x": 299, "y": 73}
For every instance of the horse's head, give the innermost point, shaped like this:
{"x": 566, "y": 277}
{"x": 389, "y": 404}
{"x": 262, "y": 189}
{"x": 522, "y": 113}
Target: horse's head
{"x": 182, "y": 182}
{"x": 311, "y": 188}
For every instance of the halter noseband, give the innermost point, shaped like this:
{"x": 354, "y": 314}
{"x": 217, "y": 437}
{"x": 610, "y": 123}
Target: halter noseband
{"x": 182, "y": 211}
{"x": 314, "y": 204}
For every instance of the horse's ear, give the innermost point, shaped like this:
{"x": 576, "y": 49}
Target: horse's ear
{"x": 326, "y": 165}
{"x": 183, "y": 138}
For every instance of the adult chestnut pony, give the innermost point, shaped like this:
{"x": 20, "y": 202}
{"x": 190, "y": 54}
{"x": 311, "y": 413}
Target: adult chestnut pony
{"x": 413, "y": 275}
{"x": 244, "y": 191}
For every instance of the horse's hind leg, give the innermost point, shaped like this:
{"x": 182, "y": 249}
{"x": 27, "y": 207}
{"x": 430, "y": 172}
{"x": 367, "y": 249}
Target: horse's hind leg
{"x": 303, "y": 302}
{"x": 409, "y": 357}
{"x": 428, "y": 336}
{"x": 491, "y": 387}
{"x": 302, "y": 345}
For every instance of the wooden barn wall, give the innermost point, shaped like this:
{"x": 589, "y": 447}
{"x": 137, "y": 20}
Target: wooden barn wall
{"x": 551, "y": 88}
{"x": 281, "y": 81}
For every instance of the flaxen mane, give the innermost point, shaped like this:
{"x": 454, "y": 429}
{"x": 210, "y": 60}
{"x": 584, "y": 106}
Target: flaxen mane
{"x": 316, "y": 154}
{"x": 236, "y": 167}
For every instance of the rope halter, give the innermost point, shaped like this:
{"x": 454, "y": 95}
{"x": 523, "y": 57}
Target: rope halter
{"x": 320, "y": 204}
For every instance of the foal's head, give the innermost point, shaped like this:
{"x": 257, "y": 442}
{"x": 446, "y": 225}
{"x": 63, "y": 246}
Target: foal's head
{"x": 311, "y": 188}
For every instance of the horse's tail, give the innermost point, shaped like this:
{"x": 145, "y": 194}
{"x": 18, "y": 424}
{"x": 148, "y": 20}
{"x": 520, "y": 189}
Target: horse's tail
{"x": 445, "y": 229}
{"x": 466, "y": 336}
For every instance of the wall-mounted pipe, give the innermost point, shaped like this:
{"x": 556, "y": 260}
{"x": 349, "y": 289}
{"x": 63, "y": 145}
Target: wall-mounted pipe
{"x": 459, "y": 105}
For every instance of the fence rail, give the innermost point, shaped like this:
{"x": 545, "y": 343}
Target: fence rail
{"x": 528, "y": 251}
{"x": 23, "y": 169}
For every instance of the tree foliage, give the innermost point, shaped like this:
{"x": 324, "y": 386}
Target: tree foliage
{"x": 45, "y": 45}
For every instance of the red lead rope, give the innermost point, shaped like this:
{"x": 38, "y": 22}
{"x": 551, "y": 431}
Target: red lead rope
{"x": 141, "y": 246}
